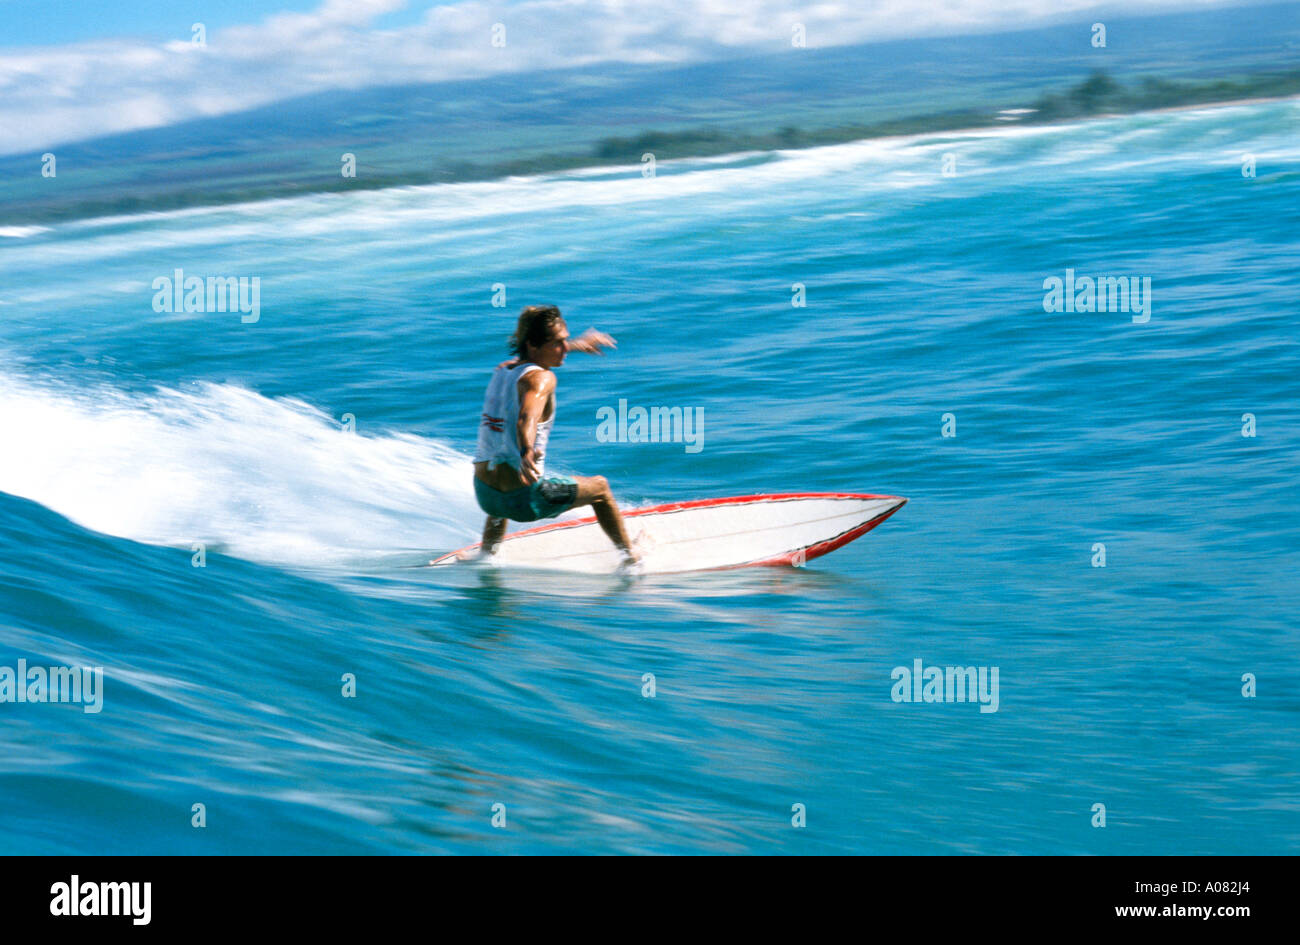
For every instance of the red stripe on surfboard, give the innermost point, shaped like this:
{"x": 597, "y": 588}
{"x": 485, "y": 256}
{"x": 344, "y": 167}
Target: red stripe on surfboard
{"x": 824, "y": 547}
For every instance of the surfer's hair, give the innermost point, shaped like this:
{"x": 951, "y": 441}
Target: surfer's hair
{"x": 536, "y": 326}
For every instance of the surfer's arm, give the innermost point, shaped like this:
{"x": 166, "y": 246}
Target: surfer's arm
{"x": 590, "y": 342}
{"x": 535, "y": 389}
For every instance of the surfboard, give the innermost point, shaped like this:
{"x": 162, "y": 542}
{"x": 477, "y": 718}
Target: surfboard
{"x": 702, "y": 535}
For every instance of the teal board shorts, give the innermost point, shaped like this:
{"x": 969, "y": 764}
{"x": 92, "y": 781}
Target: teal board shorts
{"x": 546, "y": 498}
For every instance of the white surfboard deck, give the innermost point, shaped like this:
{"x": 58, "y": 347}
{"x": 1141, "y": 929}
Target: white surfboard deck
{"x": 703, "y": 535}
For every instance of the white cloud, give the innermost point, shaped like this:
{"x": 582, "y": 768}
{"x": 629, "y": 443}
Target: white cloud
{"x": 54, "y": 95}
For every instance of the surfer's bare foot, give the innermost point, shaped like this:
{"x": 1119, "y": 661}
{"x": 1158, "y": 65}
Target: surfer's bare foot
{"x": 633, "y": 557}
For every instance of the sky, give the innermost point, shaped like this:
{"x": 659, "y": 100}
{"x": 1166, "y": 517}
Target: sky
{"x": 75, "y": 70}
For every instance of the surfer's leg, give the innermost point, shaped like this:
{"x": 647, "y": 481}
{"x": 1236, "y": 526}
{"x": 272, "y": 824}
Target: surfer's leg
{"x": 493, "y": 531}
{"x": 594, "y": 491}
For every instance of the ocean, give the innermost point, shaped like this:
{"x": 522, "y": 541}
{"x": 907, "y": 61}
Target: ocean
{"x": 226, "y": 510}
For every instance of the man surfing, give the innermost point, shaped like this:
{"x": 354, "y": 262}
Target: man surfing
{"x": 518, "y": 413}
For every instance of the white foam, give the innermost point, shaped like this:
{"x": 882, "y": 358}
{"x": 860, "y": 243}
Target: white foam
{"x": 20, "y": 232}
{"x": 276, "y": 481}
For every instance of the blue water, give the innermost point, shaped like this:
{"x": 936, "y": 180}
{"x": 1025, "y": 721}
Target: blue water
{"x": 130, "y": 435}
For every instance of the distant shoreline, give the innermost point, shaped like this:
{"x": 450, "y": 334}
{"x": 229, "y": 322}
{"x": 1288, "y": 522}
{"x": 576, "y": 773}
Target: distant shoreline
{"x": 1262, "y": 100}
{"x": 1097, "y": 97}
{"x": 1101, "y": 116}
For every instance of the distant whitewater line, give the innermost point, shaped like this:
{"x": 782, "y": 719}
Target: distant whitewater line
{"x": 873, "y": 165}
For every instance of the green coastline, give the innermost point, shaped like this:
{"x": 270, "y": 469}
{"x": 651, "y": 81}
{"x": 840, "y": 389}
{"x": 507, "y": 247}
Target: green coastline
{"x": 287, "y": 175}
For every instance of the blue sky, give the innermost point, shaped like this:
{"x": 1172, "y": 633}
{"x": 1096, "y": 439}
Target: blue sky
{"x": 70, "y": 70}
{"x": 42, "y": 23}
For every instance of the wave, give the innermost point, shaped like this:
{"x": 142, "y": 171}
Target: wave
{"x": 448, "y": 223}
{"x": 272, "y": 480}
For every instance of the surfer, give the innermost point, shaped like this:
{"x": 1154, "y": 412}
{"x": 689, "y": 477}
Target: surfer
{"x": 510, "y": 480}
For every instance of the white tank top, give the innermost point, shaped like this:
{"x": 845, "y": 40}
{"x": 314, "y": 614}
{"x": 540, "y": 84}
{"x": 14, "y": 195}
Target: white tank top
{"x": 498, "y": 440}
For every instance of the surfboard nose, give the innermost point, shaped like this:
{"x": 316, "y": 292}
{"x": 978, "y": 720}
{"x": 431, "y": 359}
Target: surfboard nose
{"x": 882, "y": 507}
{"x": 896, "y": 502}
